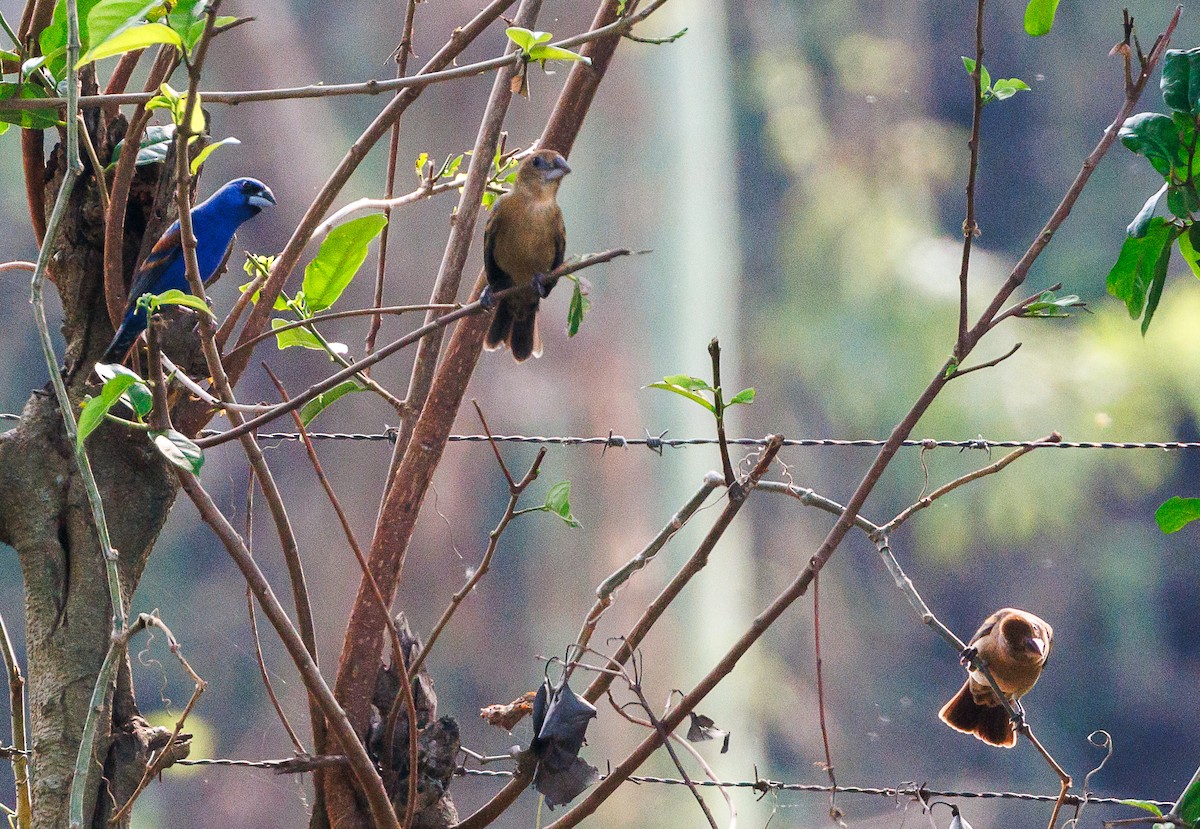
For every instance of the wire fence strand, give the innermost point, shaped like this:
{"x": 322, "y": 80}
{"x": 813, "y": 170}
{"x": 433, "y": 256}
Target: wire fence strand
{"x": 911, "y": 790}
{"x": 660, "y": 441}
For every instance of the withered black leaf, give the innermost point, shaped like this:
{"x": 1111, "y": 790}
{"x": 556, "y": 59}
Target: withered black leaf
{"x": 703, "y": 728}
{"x": 560, "y": 721}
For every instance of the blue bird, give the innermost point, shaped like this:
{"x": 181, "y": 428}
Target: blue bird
{"x": 213, "y": 222}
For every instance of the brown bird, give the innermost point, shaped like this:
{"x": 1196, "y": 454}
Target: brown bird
{"x": 524, "y": 240}
{"x": 1015, "y": 645}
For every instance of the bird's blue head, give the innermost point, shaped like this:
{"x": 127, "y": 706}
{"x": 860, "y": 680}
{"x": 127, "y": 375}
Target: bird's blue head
{"x": 240, "y": 199}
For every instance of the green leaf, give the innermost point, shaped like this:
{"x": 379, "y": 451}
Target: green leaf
{"x": 108, "y": 17}
{"x": 153, "y": 147}
{"x": 208, "y": 150}
{"x": 1144, "y": 804}
{"x": 152, "y": 302}
{"x": 545, "y": 53}
{"x": 1007, "y": 87}
{"x": 985, "y": 77}
{"x": 744, "y": 396}
{"x": 1137, "y": 228}
{"x": 1181, "y": 80}
{"x": 95, "y": 409}
{"x": 1187, "y": 249}
{"x": 176, "y": 104}
{"x": 300, "y": 336}
{"x": 1134, "y": 270}
{"x": 7, "y": 55}
{"x": 688, "y": 382}
{"x": 1175, "y": 514}
{"x": 33, "y": 119}
{"x": 135, "y": 37}
{"x": 338, "y": 260}
{"x": 310, "y": 410}
{"x": 422, "y": 160}
{"x": 53, "y": 39}
{"x": 1039, "y": 17}
{"x": 1188, "y": 806}
{"x": 578, "y": 307}
{"x": 1154, "y": 136}
{"x": 683, "y": 392}
{"x": 558, "y": 501}
{"x": 1049, "y": 306}
{"x": 1157, "y": 283}
{"x": 177, "y": 449}
{"x": 138, "y": 397}
{"x": 526, "y": 39}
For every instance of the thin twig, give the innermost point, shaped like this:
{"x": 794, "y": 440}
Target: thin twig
{"x": 714, "y": 351}
{"x": 97, "y": 167}
{"x": 512, "y": 485}
{"x": 264, "y": 674}
{"x": 403, "y": 50}
{"x": 959, "y": 372}
{"x": 970, "y": 228}
{"x": 16, "y": 706}
{"x": 834, "y": 811}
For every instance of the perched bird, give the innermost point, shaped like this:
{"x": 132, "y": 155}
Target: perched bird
{"x": 523, "y": 241}
{"x": 213, "y": 222}
{"x": 1015, "y": 645}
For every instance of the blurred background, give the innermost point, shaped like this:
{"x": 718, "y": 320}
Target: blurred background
{"x": 798, "y": 170}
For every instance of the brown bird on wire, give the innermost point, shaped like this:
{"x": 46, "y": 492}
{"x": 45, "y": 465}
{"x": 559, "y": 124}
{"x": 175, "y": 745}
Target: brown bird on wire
{"x": 524, "y": 240}
{"x": 1015, "y": 645}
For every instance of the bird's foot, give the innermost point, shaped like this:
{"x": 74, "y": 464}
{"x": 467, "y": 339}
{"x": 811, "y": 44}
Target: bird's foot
{"x": 542, "y": 285}
{"x": 969, "y": 655}
{"x": 1018, "y": 714}
{"x": 486, "y": 300}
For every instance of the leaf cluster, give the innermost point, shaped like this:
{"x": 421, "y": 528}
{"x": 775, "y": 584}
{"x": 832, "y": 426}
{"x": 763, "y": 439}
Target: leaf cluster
{"x": 1168, "y": 143}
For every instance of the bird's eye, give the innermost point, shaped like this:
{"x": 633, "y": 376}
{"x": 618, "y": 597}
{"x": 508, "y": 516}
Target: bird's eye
{"x": 539, "y": 162}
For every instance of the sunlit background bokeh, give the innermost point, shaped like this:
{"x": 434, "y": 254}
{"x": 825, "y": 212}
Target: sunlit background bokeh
{"x": 797, "y": 169}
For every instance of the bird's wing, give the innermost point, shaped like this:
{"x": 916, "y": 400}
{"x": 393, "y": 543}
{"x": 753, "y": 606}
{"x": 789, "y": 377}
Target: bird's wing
{"x": 986, "y": 628}
{"x": 165, "y": 253}
{"x": 496, "y": 276}
{"x": 560, "y": 241}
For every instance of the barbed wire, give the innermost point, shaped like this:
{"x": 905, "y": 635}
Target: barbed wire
{"x": 660, "y": 441}
{"x": 763, "y": 785}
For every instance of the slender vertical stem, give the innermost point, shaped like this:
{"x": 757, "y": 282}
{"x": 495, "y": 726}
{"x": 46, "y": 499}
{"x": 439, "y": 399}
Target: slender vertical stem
{"x": 833, "y": 810}
{"x": 402, "y": 54}
{"x": 16, "y": 700}
{"x": 970, "y": 228}
{"x": 714, "y": 351}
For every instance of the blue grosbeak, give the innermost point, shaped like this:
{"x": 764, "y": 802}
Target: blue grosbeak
{"x": 523, "y": 241}
{"x": 1015, "y": 644}
{"x": 213, "y": 222}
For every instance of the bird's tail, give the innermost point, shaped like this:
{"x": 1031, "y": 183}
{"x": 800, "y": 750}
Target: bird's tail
{"x": 124, "y": 339}
{"x": 989, "y": 723}
{"x": 515, "y": 323}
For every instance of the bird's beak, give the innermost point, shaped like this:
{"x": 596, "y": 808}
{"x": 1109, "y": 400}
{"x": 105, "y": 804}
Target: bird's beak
{"x": 1038, "y": 644}
{"x": 559, "y": 170}
{"x": 264, "y": 199}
